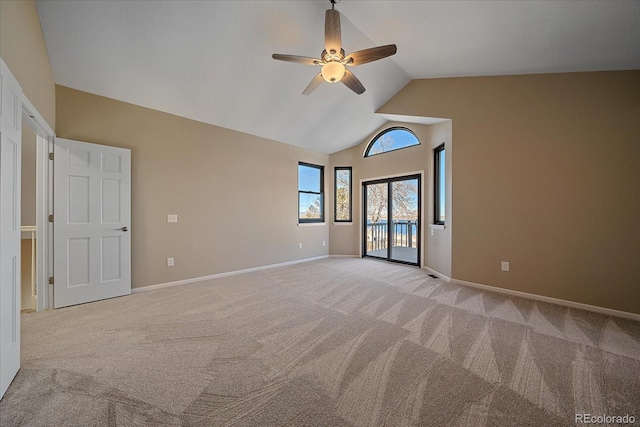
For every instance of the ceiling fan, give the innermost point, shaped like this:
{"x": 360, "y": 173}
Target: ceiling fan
{"x": 333, "y": 60}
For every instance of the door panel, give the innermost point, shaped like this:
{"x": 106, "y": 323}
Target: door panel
{"x": 111, "y": 201}
{"x": 404, "y": 220}
{"x": 92, "y": 211}
{"x": 391, "y": 223}
{"x": 376, "y": 202}
{"x": 10, "y": 176}
{"x": 111, "y": 258}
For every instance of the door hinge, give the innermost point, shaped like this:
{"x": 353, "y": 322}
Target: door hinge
{"x": 51, "y": 280}
{"x": 50, "y": 218}
{"x": 50, "y": 156}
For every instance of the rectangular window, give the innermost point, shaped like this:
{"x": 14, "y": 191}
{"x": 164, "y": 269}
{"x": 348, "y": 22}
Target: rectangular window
{"x": 310, "y": 193}
{"x": 439, "y": 185}
{"x": 342, "y": 194}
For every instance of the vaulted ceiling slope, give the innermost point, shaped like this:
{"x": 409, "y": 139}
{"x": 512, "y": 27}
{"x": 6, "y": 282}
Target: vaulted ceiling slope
{"x": 211, "y": 60}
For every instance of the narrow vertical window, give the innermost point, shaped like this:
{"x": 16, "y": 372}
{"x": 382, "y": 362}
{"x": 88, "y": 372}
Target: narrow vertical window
{"x": 310, "y": 193}
{"x": 439, "y": 185}
{"x": 342, "y": 194}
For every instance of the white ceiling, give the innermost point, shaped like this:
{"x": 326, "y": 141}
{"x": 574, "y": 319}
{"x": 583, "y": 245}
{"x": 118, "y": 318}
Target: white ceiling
{"x": 211, "y": 60}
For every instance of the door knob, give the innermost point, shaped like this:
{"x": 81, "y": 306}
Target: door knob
{"x": 124, "y": 229}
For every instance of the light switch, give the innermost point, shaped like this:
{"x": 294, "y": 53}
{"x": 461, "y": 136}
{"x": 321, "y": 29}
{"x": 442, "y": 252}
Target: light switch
{"x": 172, "y": 218}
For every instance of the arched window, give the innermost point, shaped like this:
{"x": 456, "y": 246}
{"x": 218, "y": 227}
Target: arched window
{"x": 391, "y": 139}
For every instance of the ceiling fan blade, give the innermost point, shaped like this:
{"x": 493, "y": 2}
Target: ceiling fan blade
{"x": 297, "y": 59}
{"x": 317, "y": 80}
{"x": 352, "y": 82}
{"x": 332, "y": 37}
{"x": 372, "y": 54}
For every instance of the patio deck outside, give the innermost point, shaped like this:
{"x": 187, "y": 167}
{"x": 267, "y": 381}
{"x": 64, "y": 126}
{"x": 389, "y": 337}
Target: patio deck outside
{"x": 404, "y": 241}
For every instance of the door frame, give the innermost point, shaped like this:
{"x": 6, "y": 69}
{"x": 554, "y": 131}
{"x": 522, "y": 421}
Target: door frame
{"x": 421, "y": 212}
{"x": 44, "y": 202}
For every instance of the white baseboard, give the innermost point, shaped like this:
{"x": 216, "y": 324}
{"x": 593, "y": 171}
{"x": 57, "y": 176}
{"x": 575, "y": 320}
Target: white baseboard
{"x": 572, "y": 304}
{"x": 344, "y": 256}
{"x": 437, "y": 273}
{"x": 219, "y": 275}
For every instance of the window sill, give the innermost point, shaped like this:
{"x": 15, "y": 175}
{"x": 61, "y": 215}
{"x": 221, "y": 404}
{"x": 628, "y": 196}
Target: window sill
{"x": 310, "y": 224}
{"x": 343, "y": 223}
{"x": 437, "y": 226}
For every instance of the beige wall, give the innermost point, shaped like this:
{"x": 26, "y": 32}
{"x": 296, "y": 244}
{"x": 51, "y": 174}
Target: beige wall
{"x": 23, "y": 49}
{"x": 235, "y": 194}
{"x": 346, "y": 239}
{"x": 546, "y": 176}
{"x": 28, "y": 198}
{"x": 438, "y": 241}
{"x": 26, "y": 301}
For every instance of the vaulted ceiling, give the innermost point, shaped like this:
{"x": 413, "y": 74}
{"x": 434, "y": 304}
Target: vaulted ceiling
{"x": 211, "y": 60}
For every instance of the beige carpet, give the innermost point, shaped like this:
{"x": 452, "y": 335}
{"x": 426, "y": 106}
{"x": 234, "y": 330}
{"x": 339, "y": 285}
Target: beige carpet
{"x": 336, "y": 342}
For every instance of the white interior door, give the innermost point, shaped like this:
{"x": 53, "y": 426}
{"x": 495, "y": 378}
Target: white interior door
{"x": 92, "y": 213}
{"x": 10, "y": 162}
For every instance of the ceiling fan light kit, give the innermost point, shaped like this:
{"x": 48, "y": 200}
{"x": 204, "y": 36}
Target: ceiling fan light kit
{"x": 334, "y": 62}
{"x": 333, "y": 72}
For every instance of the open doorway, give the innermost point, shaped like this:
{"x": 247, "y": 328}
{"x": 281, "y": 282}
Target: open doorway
{"x": 28, "y": 242}
{"x": 36, "y": 206}
{"x": 391, "y": 219}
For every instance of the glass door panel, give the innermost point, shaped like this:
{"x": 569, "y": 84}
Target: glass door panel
{"x": 404, "y": 221}
{"x": 377, "y": 211}
{"x": 391, "y": 225}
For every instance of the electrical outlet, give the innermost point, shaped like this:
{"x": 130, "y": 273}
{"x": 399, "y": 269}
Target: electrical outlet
{"x": 170, "y": 262}
{"x": 172, "y": 218}
{"x": 324, "y": 243}
{"x": 299, "y": 245}
{"x": 505, "y": 266}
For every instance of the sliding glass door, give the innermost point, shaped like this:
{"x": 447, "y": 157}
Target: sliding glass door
{"x": 391, "y": 226}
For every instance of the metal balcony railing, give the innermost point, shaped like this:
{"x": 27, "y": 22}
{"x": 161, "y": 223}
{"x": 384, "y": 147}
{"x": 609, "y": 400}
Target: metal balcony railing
{"x": 404, "y": 234}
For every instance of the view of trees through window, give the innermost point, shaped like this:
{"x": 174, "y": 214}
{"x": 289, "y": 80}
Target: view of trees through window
{"x": 343, "y": 194}
{"x": 391, "y": 139}
{"x": 404, "y": 205}
{"x": 310, "y": 193}
{"x": 439, "y": 185}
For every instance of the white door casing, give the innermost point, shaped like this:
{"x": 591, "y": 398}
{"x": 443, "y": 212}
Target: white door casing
{"x": 44, "y": 202}
{"x": 92, "y": 214}
{"x": 10, "y": 221}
